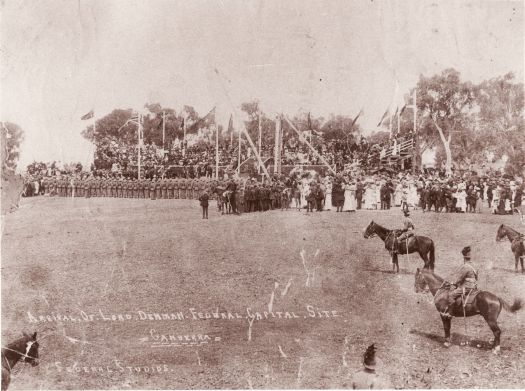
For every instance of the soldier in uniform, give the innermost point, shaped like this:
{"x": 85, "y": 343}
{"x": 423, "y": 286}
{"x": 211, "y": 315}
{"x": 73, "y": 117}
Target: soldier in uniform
{"x": 232, "y": 186}
{"x": 118, "y": 187}
{"x": 77, "y": 186}
{"x": 182, "y": 187}
{"x": 88, "y": 186}
{"x": 103, "y": 186}
{"x": 406, "y": 232}
{"x": 170, "y": 188}
{"x": 163, "y": 188}
{"x": 143, "y": 188}
{"x": 158, "y": 193}
{"x": 247, "y": 198}
{"x": 135, "y": 186}
{"x": 114, "y": 183}
{"x": 367, "y": 378}
{"x": 152, "y": 188}
{"x": 465, "y": 279}
{"x": 124, "y": 187}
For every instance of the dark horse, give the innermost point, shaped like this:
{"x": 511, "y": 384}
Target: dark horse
{"x": 423, "y": 245}
{"x": 485, "y": 304}
{"x": 24, "y": 349}
{"x": 516, "y": 244}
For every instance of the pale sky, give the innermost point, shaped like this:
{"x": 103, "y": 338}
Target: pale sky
{"x": 60, "y": 59}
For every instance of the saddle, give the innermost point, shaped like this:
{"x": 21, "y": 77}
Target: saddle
{"x": 463, "y": 300}
{"x": 468, "y": 298}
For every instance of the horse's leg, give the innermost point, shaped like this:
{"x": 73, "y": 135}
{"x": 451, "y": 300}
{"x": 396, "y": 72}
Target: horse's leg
{"x": 492, "y": 321}
{"x": 425, "y": 259}
{"x": 446, "y": 326}
{"x": 516, "y": 259}
{"x": 396, "y": 263}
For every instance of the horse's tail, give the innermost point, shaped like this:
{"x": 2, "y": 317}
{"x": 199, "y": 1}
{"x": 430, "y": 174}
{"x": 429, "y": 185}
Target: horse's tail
{"x": 516, "y": 306}
{"x": 431, "y": 257}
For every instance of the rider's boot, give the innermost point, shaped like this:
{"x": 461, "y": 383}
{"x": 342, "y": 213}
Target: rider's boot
{"x": 446, "y": 312}
{"x": 395, "y": 247}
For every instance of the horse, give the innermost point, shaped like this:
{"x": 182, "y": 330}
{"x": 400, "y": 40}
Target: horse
{"x": 484, "y": 303}
{"x": 24, "y": 349}
{"x": 516, "y": 244}
{"x": 423, "y": 245}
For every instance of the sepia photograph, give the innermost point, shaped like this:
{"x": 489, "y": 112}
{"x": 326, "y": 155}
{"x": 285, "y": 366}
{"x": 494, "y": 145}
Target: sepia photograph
{"x": 262, "y": 194}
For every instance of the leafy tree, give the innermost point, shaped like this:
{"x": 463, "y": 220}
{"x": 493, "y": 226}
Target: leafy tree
{"x": 445, "y": 103}
{"x": 11, "y": 138}
{"x": 500, "y": 125}
{"x": 252, "y": 109}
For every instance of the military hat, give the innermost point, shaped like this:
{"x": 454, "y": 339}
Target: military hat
{"x": 466, "y": 252}
{"x": 406, "y": 213}
{"x": 369, "y": 359}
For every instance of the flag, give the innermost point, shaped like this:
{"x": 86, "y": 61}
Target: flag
{"x": 230, "y": 124}
{"x": 383, "y": 117}
{"x": 402, "y": 110}
{"x": 203, "y": 122}
{"x": 89, "y": 115}
{"x": 357, "y": 116}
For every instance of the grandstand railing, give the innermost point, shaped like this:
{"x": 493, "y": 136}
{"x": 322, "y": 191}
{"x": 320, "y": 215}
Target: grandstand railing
{"x": 286, "y": 169}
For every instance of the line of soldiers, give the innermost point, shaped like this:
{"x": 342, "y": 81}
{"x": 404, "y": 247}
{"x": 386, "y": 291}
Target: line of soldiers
{"x": 156, "y": 188}
{"x": 259, "y": 197}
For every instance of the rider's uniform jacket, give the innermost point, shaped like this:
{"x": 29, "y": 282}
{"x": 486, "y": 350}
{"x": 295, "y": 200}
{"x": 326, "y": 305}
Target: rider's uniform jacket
{"x": 407, "y": 224}
{"x": 466, "y": 276}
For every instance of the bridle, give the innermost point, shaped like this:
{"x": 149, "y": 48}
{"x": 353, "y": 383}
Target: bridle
{"x": 23, "y": 356}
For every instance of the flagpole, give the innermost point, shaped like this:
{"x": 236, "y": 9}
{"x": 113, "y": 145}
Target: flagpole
{"x": 260, "y": 135}
{"x": 390, "y": 125}
{"x": 138, "y": 153}
{"x": 231, "y": 131}
{"x": 398, "y": 122}
{"x": 216, "y": 152}
{"x": 163, "y": 129}
{"x": 415, "y": 148}
{"x": 184, "y": 137}
{"x": 239, "y": 155}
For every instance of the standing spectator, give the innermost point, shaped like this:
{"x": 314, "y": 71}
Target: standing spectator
{"x": 204, "y": 198}
{"x": 367, "y": 378}
{"x": 359, "y": 193}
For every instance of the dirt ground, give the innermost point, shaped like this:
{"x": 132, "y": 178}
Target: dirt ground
{"x": 145, "y": 294}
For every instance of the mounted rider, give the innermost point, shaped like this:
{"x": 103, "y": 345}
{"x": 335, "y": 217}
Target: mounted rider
{"x": 405, "y": 233}
{"x": 465, "y": 280}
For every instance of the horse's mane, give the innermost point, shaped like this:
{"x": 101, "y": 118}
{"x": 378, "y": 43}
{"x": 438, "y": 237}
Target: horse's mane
{"x": 510, "y": 229}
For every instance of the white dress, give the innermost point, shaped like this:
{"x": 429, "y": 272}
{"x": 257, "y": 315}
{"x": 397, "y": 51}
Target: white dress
{"x": 305, "y": 190}
{"x": 353, "y": 200}
{"x": 413, "y": 198}
{"x": 370, "y": 198}
{"x": 328, "y": 196}
{"x": 397, "y": 194}
{"x": 462, "y": 200}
